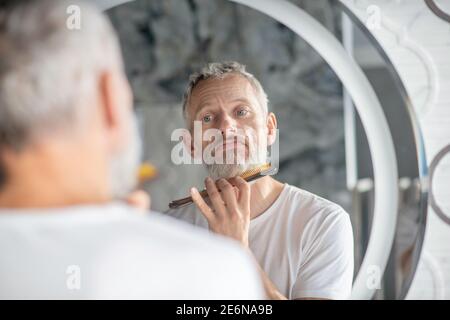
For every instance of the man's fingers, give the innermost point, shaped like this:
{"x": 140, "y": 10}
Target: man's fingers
{"x": 228, "y": 193}
{"x": 201, "y": 204}
{"x": 214, "y": 196}
{"x": 139, "y": 199}
{"x": 244, "y": 190}
{"x": 232, "y": 181}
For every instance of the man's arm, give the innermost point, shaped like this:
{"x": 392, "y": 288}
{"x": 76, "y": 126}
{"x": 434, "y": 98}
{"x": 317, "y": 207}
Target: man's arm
{"x": 326, "y": 269}
{"x": 230, "y": 216}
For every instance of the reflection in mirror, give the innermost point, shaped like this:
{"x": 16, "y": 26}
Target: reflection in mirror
{"x": 160, "y": 55}
{"x": 163, "y": 42}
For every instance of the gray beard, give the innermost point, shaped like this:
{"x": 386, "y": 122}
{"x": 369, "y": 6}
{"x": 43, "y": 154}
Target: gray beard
{"x": 226, "y": 171}
{"x": 217, "y": 171}
{"x": 125, "y": 164}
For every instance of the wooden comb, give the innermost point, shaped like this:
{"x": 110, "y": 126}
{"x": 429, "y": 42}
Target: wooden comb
{"x": 248, "y": 176}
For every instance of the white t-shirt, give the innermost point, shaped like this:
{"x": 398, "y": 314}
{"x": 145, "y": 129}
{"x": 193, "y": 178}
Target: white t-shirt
{"x": 113, "y": 251}
{"x": 303, "y": 242}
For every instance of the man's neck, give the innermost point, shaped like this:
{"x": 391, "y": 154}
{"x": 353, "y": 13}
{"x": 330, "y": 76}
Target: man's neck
{"x": 51, "y": 176}
{"x": 264, "y": 192}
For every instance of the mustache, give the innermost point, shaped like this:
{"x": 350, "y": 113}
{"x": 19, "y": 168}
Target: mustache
{"x": 245, "y": 140}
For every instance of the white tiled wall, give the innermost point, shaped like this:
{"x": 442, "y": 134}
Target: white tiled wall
{"x": 418, "y": 43}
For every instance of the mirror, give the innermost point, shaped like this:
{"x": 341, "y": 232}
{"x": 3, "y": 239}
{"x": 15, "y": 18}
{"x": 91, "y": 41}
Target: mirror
{"x": 322, "y": 144}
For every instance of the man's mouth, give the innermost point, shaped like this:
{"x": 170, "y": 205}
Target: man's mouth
{"x": 230, "y": 144}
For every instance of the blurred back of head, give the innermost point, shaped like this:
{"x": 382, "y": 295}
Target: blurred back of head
{"x": 47, "y": 66}
{"x": 52, "y": 54}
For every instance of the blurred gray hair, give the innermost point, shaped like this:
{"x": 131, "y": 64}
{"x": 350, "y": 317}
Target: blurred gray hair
{"x": 48, "y": 69}
{"x": 219, "y": 70}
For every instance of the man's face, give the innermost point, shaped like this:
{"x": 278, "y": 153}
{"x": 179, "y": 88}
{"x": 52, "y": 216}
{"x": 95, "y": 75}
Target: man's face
{"x": 231, "y": 106}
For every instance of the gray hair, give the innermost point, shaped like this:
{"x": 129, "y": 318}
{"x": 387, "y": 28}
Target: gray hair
{"x": 48, "y": 68}
{"x": 219, "y": 70}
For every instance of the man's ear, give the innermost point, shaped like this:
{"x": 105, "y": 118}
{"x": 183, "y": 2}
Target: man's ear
{"x": 111, "y": 100}
{"x": 271, "y": 128}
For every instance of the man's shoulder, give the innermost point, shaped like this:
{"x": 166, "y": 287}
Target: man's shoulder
{"x": 201, "y": 254}
{"x": 306, "y": 200}
{"x": 145, "y": 249}
{"x": 112, "y": 223}
{"x": 188, "y": 209}
{"x": 188, "y": 213}
{"x": 307, "y": 205}
{"x": 163, "y": 227}
{"x": 319, "y": 217}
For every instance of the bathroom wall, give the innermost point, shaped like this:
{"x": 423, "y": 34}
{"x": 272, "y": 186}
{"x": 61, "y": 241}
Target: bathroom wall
{"x": 418, "y": 43}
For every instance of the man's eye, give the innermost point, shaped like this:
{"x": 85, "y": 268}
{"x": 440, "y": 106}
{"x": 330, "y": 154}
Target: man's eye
{"x": 242, "y": 113}
{"x": 207, "y": 118}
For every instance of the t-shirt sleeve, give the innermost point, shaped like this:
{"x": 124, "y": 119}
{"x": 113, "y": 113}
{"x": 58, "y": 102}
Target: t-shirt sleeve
{"x": 326, "y": 266}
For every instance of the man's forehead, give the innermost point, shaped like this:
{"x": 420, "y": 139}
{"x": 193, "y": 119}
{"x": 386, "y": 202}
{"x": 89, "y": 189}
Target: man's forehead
{"x": 231, "y": 87}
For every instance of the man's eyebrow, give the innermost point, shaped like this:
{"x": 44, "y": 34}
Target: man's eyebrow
{"x": 201, "y": 107}
{"x": 207, "y": 104}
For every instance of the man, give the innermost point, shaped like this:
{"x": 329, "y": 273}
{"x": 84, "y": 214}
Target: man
{"x": 303, "y": 243}
{"x": 69, "y": 152}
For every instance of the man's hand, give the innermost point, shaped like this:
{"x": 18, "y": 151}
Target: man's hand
{"x": 230, "y": 212}
{"x": 140, "y": 200}
{"x": 230, "y": 216}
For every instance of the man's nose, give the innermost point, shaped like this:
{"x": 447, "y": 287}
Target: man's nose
{"x": 227, "y": 124}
